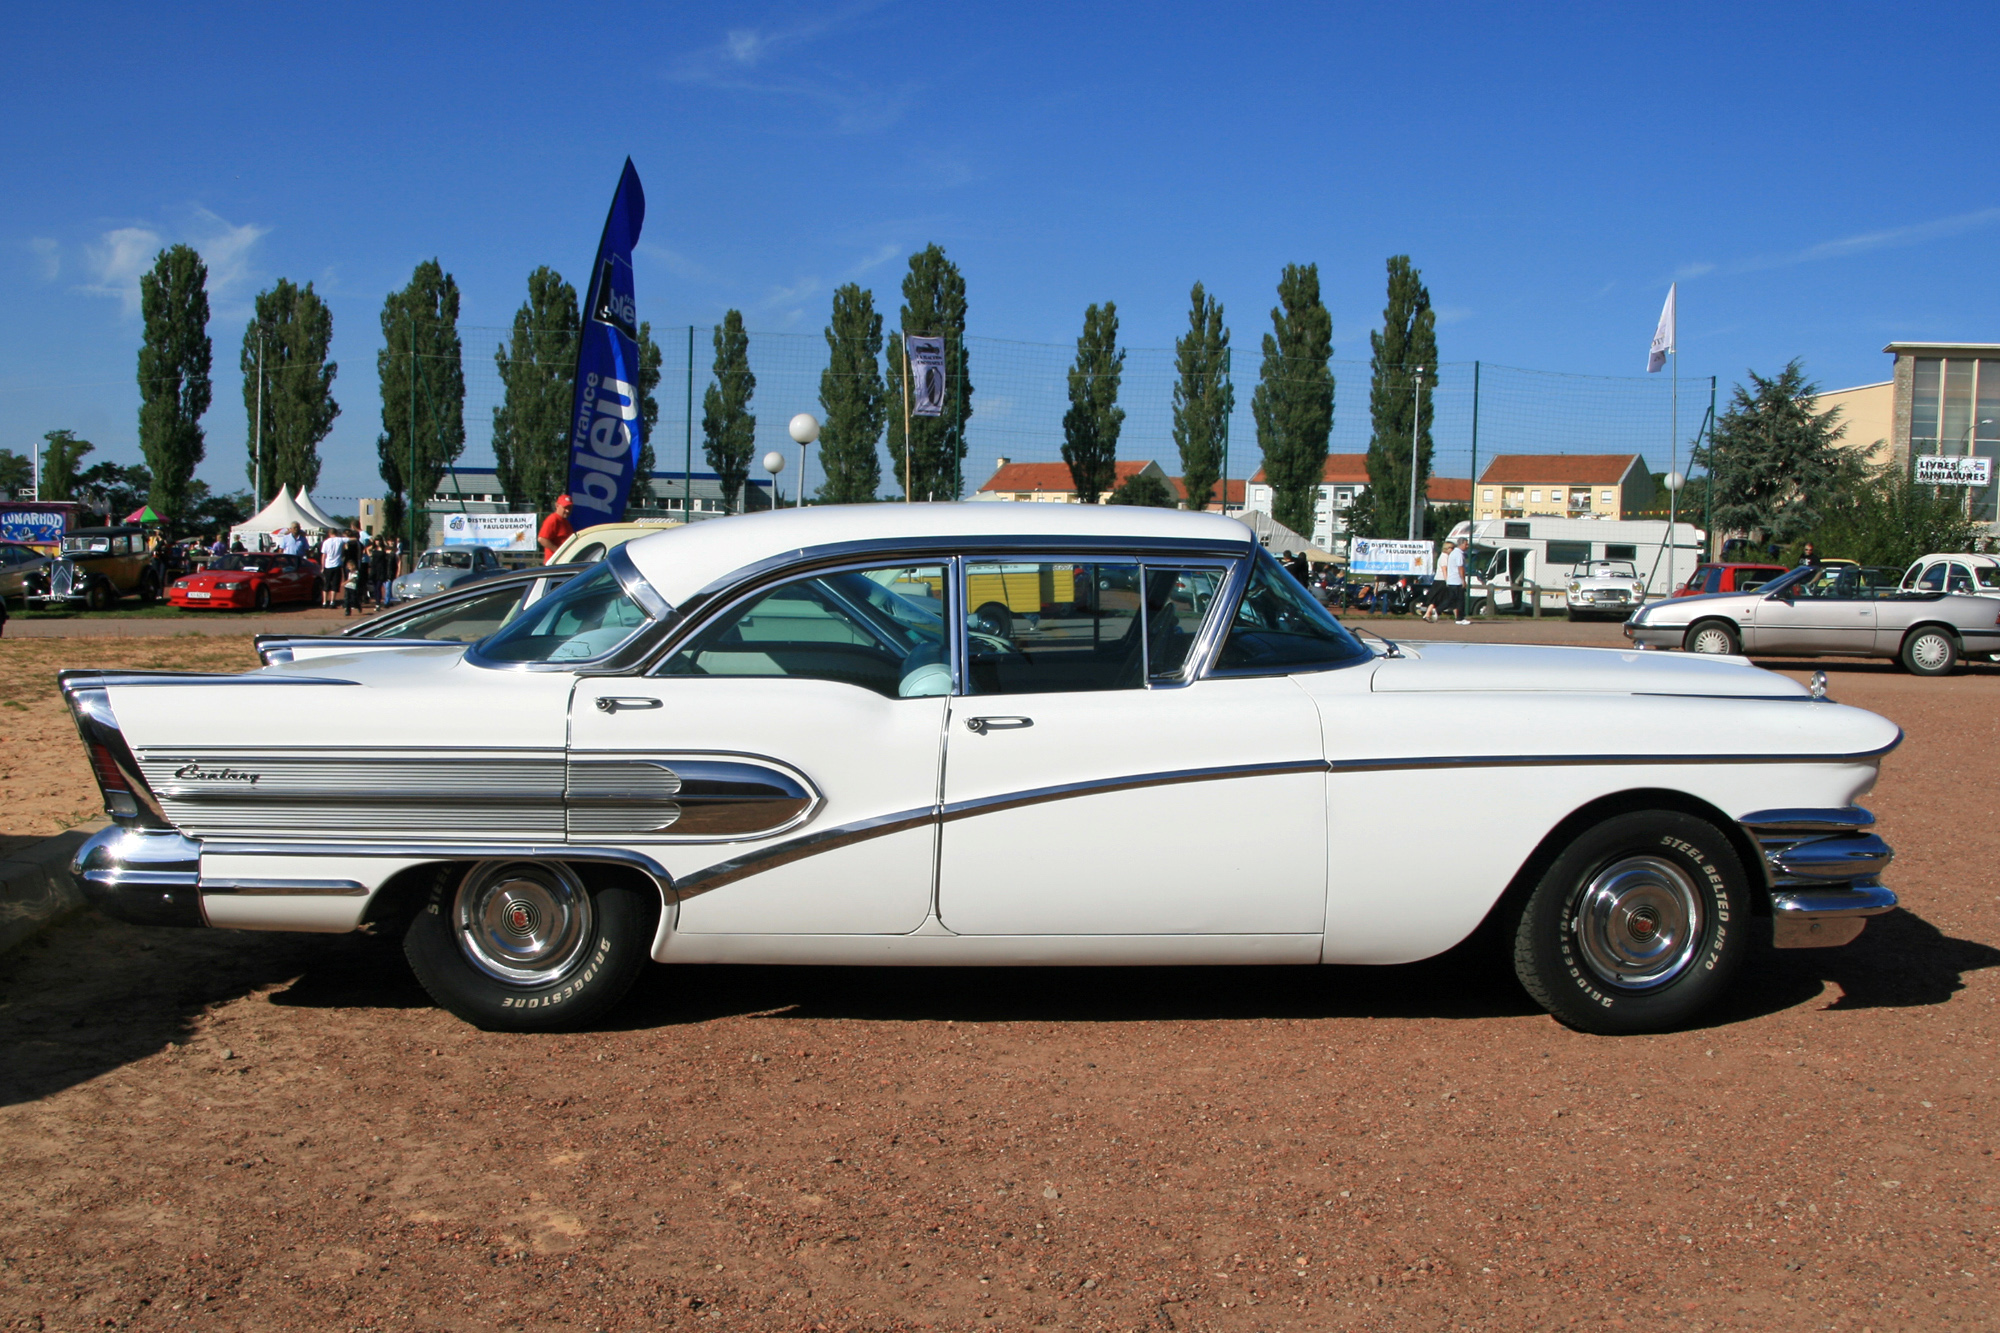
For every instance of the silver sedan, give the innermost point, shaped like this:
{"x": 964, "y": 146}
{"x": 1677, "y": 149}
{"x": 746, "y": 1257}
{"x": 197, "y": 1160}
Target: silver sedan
{"x": 1826, "y": 611}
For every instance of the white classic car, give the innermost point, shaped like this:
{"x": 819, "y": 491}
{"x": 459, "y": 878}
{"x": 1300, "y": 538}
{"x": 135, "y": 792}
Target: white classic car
{"x": 782, "y": 738}
{"x": 1600, "y": 587}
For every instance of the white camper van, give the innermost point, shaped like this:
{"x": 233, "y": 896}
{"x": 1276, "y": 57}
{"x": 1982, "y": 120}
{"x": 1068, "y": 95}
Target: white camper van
{"x": 1513, "y": 556}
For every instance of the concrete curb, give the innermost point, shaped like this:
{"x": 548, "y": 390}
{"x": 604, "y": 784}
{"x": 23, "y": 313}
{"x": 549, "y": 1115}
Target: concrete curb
{"x": 36, "y": 888}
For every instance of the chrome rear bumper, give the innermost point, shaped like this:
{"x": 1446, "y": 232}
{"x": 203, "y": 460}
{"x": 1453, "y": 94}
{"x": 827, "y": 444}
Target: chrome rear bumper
{"x": 149, "y": 877}
{"x": 1823, "y": 867}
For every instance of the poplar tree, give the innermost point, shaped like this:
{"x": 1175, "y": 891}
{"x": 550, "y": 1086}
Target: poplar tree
{"x": 1406, "y": 344}
{"x": 728, "y": 429}
{"x": 933, "y": 303}
{"x": 538, "y": 382}
{"x": 1203, "y": 398}
{"x": 1094, "y": 419}
{"x": 425, "y": 311}
{"x": 294, "y": 329}
{"x": 174, "y": 361}
{"x": 852, "y": 399}
{"x": 62, "y": 458}
{"x": 650, "y": 360}
{"x": 1293, "y": 403}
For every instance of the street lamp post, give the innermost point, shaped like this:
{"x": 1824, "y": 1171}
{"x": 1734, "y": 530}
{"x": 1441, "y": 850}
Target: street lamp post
{"x": 1416, "y": 422}
{"x": 805, "y": 429}
{"x": 774, "y": 463}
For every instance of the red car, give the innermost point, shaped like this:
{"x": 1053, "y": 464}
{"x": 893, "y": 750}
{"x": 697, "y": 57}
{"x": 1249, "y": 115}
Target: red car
{"x": 1728, "y": 578}
{"x": 247, "y": 582}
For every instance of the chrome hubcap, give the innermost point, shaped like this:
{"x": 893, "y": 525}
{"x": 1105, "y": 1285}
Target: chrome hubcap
{"x": 1638, "y": 923}
{"x": 1931, "y": 651}
{"x": 526, "y": 922}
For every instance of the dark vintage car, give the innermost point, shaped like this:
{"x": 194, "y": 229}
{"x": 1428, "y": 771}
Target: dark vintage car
{"x": 97, "y": 567}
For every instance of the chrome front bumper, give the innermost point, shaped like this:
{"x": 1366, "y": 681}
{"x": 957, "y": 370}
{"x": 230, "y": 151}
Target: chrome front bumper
{"x": 1824, "y": 867}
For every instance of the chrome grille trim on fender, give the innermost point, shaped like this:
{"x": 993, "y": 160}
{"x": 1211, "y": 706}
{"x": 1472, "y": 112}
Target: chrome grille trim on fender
{"x": 1821, "y": 866}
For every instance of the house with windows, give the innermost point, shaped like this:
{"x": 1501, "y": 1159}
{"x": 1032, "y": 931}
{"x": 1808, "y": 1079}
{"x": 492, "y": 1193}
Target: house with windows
{"x": 1607, "y": 486}
{"x": 476, "y": 490}
{"x": 1343, "y": 479}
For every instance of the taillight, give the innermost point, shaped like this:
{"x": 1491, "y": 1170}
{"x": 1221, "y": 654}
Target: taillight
{"x": 108, "y": 776}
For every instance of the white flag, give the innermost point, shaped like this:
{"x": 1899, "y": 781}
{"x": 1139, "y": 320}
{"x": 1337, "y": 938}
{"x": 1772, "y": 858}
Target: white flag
{"x": 1663, "y": 336}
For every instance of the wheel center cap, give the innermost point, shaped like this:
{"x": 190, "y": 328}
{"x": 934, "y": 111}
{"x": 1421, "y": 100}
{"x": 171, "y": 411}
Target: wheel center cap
{"x": 521, "y": 918}
{"x": 1643, "y": 926}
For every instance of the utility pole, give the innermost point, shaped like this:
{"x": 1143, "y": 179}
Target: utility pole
{"x": 1416, "y": 423}
{"x": 410, "y": 481}
{"x": 687, "y": 468}
{"x": 907, "y": 497}
{"x": 258, "y": 447}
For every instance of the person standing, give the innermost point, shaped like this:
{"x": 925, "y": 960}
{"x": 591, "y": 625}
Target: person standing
{"x": 556, "y": 529}
{"x": 332, "y": 556}
{"x": 380, "y": 571}
{"x": 1454, "y": 581}
{"x": 291, "y": 541}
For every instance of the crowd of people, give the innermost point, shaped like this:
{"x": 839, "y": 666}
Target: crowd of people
{"x": 356, "y": 571}
{"x": 1429, "y": 597}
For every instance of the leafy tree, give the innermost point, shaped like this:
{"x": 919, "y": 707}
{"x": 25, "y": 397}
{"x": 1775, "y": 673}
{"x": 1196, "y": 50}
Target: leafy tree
{"x": 208, "y": 512}
{"x": 933, "y": 303}
{"x": 538, "y": 378}
{"x": 17, "y": 473}
{"x": 60, "y": 464}
{"x": 1091, "y": 426}
{"x": 174, "y": 361}
{"x": 650, "y": 361}
{"x": 1439, "y": 520}
{"x": 1774, "y": 461}
{"x": 1203, "y": 397}
{"x": 116, "y": 489}
{"x": 426, "y": 310}
{"x": 294, "y": 329}
{"x": 728, "y": 428}
{"x": 1406, "y": 344}
{"x": 853, "y": 399}
{"x": 1143, "y": 488}
{"x": 1293, "y": 403}
{"x": 1883, "y": 516}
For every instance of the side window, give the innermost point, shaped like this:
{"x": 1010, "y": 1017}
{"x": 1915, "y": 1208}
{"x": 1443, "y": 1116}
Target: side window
{"x": 879, "y": 629}
{"x": 1910, "y": 577}
{"x": 1177, "y": 601}
{"x": 1712, "y": 581}
{"x": 1042, "y": 627}
{"x": 464, "y": 622}
{"x": 1278, "y": 627}
{"x": 1932, "y": 580}
{"x": 1959, "y": 579}
{"x": 589, "y": 553}
{"x": 1989, "y": 577}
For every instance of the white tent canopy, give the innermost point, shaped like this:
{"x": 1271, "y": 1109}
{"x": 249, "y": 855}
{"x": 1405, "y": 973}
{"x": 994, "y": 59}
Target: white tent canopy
{"x": 1280, "y": 539}
{"x": 275, "y": 517}
{"x": 320, "y": 517}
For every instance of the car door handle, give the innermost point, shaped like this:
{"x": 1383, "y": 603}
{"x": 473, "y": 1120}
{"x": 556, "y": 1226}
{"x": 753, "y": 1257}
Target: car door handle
{"x": 979, "y": 726}
{"x": 611, "y": 703}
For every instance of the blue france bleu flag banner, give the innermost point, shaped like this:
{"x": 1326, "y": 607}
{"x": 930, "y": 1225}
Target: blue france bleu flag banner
{"x": 604, "y": 435}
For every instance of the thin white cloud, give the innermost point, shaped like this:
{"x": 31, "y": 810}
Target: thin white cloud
{"x": 226, "y": 251}
{"x": 117, "y": 260}
{"x": 885, "y": 252}
{"x": 1452, "y": 314}
{"x": 50, "y": 254}
{"x": 676, "y": 263}
{"x": 1916, "y": 233}
{"x": 737, "y": 64}
{"x": 786, "y": 306}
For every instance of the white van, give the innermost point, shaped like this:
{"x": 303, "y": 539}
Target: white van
{"x": 1513, "y": 556}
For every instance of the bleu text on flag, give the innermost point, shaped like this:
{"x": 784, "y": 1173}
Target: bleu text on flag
{"x": 605, "y": 426}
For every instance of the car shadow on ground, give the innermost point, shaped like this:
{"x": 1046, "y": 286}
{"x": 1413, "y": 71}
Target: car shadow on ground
{"x": 91, "y": 995}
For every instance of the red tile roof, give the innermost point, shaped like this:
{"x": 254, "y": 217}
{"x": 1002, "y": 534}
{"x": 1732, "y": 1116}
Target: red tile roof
{"x": 1054, "y": 477}
{"x": 1340, "y": 470}
{"x": 1235, "y": 487}
{"x": 1449, "y": 490}
{"x": 1559, "y": 469}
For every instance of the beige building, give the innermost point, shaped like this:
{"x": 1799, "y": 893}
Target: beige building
{"x": 1947, "y": 401}
{"x": 1867, "y": 417}
{"x": 1612, "y": 486}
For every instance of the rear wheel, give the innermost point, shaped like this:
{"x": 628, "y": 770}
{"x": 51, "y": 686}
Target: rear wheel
{"x": 1638, "y": 924}
{"x": 1930, "y": 650}
{"x": 529, "y": 946}
{"x": 1716, "y": 637}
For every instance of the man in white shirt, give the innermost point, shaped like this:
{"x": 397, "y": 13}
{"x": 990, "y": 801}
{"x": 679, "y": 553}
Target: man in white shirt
{"x": 332, "y": 555}
{"x": 1454, "y": 581}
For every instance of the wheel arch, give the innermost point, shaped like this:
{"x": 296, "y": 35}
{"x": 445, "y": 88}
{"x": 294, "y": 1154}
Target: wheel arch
{"x": 1944, "y": 627}
{"x": 1601, "y": 808}
{"x": 396, "y": 903}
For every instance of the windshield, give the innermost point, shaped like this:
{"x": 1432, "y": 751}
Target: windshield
{"x": 1605, "y": 569}
{"x": 589, "y": 617}
{"x": 86, "y": 545}
{"x": 441, "y": 559}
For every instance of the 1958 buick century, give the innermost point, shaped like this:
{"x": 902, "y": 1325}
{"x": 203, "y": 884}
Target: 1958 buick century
{"x": 899, "y": 734}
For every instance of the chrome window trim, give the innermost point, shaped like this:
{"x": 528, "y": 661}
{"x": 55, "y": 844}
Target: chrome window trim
{"x": 1300, "y": 669}
{"x": 1068, "y": 553}
{"x": 694, "y": 624}
{"x": 1206, "y": 638}
{"x": 629, "y": 653}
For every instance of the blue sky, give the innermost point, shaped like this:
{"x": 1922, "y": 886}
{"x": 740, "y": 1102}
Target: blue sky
{"x": 1818, "y": 177}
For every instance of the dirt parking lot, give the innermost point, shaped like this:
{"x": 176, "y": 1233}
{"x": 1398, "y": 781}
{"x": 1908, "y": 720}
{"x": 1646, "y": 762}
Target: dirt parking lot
{"x": 279, "y": 1132}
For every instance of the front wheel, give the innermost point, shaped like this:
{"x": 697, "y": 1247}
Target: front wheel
{"x": 1638, "y": 924}
{"x": 263, "y": 597}
{"x": 1930, "y": 651}
{"x": 100, "y": 597}
{"x": 1713, "y": 637}
{"x": 528, "y": 946}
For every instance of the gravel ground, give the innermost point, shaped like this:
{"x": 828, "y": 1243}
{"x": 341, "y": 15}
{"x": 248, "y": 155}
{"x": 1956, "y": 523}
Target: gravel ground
{"x": 278, "y": 1132}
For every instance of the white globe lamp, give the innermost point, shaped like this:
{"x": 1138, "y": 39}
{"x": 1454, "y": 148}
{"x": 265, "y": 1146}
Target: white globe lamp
{"x": 774, "y": 463}
{"x": 805, "y": 429}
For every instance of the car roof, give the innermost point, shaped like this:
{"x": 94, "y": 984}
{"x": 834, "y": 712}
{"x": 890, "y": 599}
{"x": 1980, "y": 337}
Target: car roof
{"x": 680, "y": 562}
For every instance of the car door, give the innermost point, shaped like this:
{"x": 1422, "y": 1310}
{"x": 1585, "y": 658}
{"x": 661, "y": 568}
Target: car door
{"x": 1089, "y": 790}
{"x": 1824, "y": 613}
{"x": 782, "y": 762}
